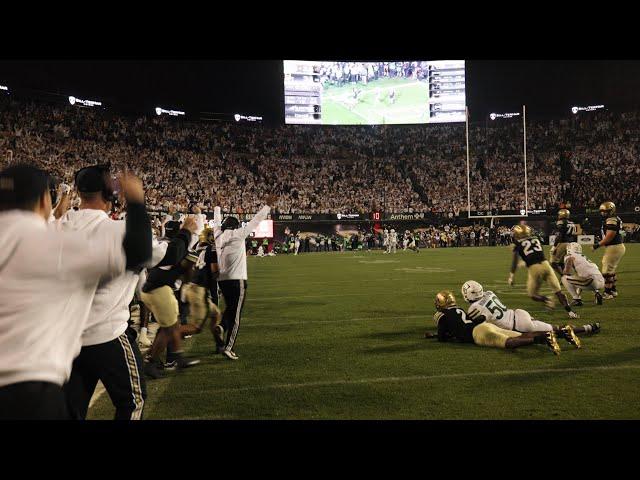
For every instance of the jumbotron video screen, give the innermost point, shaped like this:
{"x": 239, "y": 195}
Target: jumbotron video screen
{"x": 374, "y": 93}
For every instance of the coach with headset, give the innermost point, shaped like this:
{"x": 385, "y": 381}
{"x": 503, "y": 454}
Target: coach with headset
{"x": 232, "y": 265}
{"x": 109, "y": 349}
{"x": 48, "y": 279}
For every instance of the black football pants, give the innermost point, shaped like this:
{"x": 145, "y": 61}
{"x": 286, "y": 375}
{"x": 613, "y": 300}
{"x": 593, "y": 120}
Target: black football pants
{"x": 118, "y": 364}
{"x": 233, "y": 292}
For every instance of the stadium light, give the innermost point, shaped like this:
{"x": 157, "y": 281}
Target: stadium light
{"x": 173, "y": 113}
{"x": 84, "y": 103}
{"x": 247, "y": 118}
{"x": 5, "y": 88}
{"x": 493, "y": 116}
{"x": 589, "y": 108}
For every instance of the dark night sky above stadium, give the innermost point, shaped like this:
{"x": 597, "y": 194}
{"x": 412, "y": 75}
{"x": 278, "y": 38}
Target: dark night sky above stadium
{"x": 547, "y": 87}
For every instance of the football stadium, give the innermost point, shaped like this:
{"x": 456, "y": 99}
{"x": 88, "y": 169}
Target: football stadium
{"x": 374, "y": 241}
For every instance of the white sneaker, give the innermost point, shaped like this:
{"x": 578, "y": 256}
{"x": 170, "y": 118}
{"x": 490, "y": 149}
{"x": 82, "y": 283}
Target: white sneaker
{"x": 144, "y": 340}
{"x": 230, "y": 355}
{"x": 573, "y": 314}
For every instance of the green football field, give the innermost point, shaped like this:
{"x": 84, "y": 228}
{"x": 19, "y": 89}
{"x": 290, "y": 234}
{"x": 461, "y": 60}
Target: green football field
{"x": 374, "y": 106}
{"x": 339, "y": 336}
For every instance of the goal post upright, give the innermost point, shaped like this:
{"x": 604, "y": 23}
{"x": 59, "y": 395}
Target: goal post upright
{"x": 526, "y": 183}
{"x": 466, "y": 117}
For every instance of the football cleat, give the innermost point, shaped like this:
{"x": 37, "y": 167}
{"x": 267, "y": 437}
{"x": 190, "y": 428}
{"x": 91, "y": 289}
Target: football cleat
{"x": 186, "y": 362}
{"x": 608, "y": 296}
{"x": 218, "y": 334}
{"x": 573, "y": 314}
{"x": 614, "y": 293}
{"x": 577, "y": 303}
{"x": 598, "y": 298}
{"x": 230, "y": 355}
{"x": 170, "y": 365}
{"x": 570, "y": 336}
{"x": 552, "y": 342}
{"x": 595, "y": 328}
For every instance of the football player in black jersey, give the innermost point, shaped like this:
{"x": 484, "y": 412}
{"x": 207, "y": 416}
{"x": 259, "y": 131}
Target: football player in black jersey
{"x": 566, "y": 235}
{"x": 614, "y": 248}
{"x": 529, "y": 247}
{"x": 454, "y": 326}
{"x": 199, "y": 291}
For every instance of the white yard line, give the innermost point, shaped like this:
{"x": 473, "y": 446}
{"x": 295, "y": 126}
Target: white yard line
{"x": 413, "y": 378}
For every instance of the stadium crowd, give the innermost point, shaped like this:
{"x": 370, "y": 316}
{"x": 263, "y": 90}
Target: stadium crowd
{"x": 332, "y": 170}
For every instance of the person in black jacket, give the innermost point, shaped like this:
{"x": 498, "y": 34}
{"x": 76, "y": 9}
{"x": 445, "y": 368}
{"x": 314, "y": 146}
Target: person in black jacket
{"x": 157, "y": 295}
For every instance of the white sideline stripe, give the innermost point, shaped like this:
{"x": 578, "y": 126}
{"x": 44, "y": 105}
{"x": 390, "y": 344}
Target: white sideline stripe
{"x": 413, "y": 378}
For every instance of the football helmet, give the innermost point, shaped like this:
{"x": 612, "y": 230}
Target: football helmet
{"x": 607, "y": 209}
{"x": 444, "y": 300}
{"x": 521, "y": 231}
{"x": 574, "y": 248}
{"x": 207, "y": 235}
{"x": 472, "y": 291}
{"x": 563, "y": 213}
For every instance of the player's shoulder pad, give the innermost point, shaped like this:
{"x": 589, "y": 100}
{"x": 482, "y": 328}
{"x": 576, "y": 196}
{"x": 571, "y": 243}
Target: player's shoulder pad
{"x": 612, "y": 221}
{"x": 437, "y": 317}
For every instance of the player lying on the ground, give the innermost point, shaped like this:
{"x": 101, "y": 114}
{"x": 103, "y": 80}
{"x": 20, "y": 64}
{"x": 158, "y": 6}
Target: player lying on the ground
{"x": 453, "y": 325}
{"x": 529, "y": 247}
{"x": 579, "y": 274}
{"x": 488, "y": 307}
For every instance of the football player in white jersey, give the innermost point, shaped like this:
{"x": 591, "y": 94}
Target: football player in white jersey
{"x": 393, "y": 241}
{"x": 579, "y": 274}
{"x": 487, "y": 306}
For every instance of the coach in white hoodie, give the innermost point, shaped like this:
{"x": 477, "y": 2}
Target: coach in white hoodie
{"x": 232, "y": 265}
{"x": 47, "y": 282}
{"x": 109, "y": 349}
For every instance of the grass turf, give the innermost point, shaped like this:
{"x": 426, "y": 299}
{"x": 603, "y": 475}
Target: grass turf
{"x": 339, "y": 336}
{"x": 410, "y": 106}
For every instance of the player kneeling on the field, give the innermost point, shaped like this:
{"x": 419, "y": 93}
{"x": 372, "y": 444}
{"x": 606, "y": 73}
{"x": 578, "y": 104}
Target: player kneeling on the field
{"x": 579, "y": 274}
{"x": 453, "y": 325}
{"x": 486, "y": 306}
